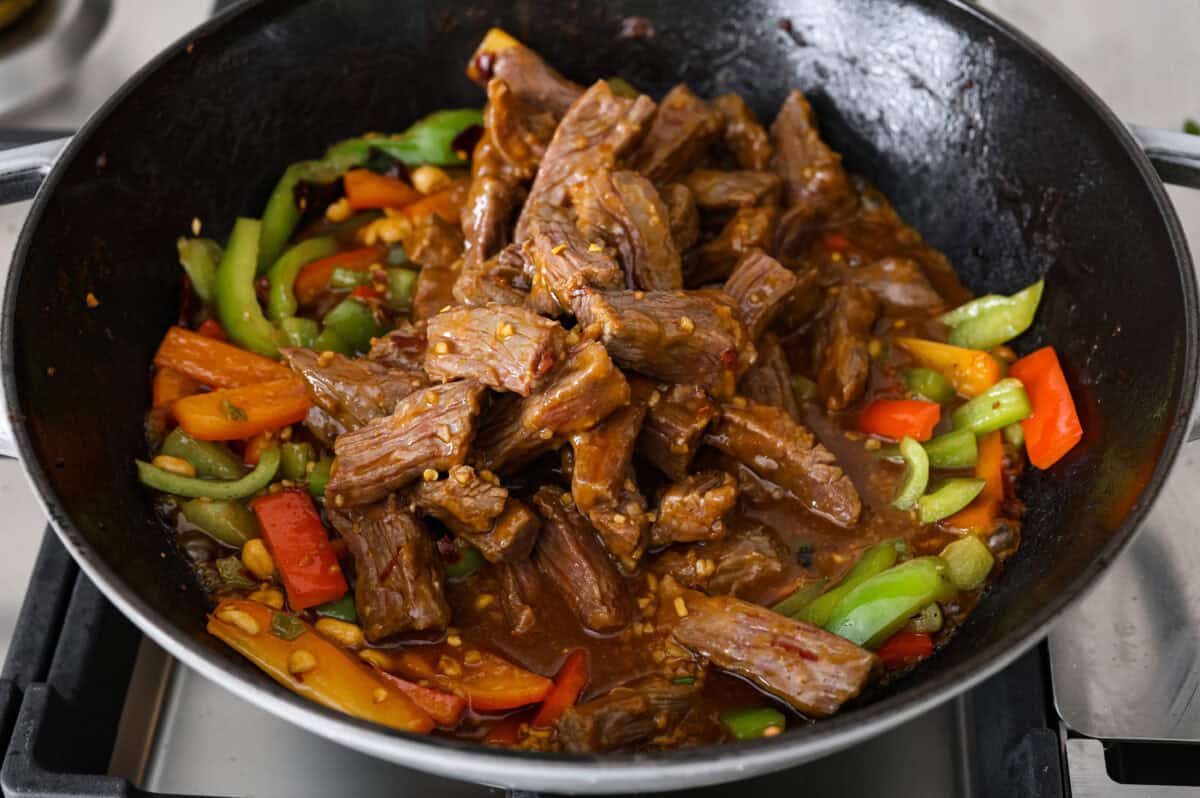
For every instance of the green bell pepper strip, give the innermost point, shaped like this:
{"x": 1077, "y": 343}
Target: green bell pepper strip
{"x": 1004, "y": 403}
{"x": 402, "y": 283}
{"x": 237, "y": 302}
{"x": 199, "y": 258}
{"x": 429, "y": 141}
{"x": 348, "y": 279}
{"x": 294, "y": 459}
{"x": 228, "y": 522}
{"x": 355, "y": 323}
{"x": 342, "y": 609}
{"x": 950, "y": 497}
{"x": 397, "y": 256}
{"x": 929, "y": 384}
{"x": 684, "y": 680}
{"x": 1015, "y": 435}
{"x": 281, "y": 298}
{"x": 873, "y": 561}
{"x": 968, "y": 562}
{"x": 281, "y": 214}
{"x": 195, "y": 487}
{"x": 233, "y": 573}
{"x": 916, "y": 474}
{"x": 800, "y": 599}
{"x": 330, "y": 341}
{"x": 319, "y": 477}
{"x": 300, "y": 331}
{"x": 209, "y": 458}
{"x": 957, "y": 449}
{"x": 993, "y": 320}
{"x": 752, "y": 724}
{"x": 928, "y": 621}
{"x": 285, "y": 626}
{"x": 468, "y": 562}
{"x": 804, "y": 388}
{"x": 879, "y": 607}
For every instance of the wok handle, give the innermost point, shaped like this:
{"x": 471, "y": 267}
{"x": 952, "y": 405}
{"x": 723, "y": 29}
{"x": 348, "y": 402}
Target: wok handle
{"x": 1175, "y": 155}
{"x": 25, "y": 160}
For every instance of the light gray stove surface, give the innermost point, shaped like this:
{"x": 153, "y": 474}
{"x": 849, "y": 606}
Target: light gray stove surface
{"x": 1125, "y": 660}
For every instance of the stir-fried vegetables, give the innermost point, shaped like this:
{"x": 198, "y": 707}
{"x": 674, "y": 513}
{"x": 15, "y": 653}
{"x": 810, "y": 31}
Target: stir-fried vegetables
{"x": 993, "y": 319}
{"x": 873, "y": 561}
{"x": 752, "y": 724}
{"x": 354, "y": 323}
{"x": 970, "y": 371}
{"x": 1004, "y": 403}
{"x": 1053, "y": 428}
{"x": 488, "y": 682}
{"x": 905, "y": 648}
{"x": 227, "y": 521}
{"x": 194, "y": 487}
{"x": 199, "y": 258}
{"x": 928, "y": 384}
{"x": 281, "y": 299}
{"x": 446, "y": 709}
{"x": 210, "y": 459}
{"x": 568, "y": 684}
{"x": 948, "y": 498}
{"x": 916, "y": 475}
{"x": 313, "y": 279}
{"x": 300, "y": 546}
{"x": 430, "y": 140}
{"x": 980, "y": 515}
{"x": 801, "y": 598}
{"x": 956, "y": 449}
{"x": 215, "y": 363}
{"x": 366, "y": 189}
{"x": 238, "y": 413}
{"x": 900, "y": 418}
{"x": 968, "y": 562}
{"x": 878, "y": 607}
{"x": 237, "y": 303}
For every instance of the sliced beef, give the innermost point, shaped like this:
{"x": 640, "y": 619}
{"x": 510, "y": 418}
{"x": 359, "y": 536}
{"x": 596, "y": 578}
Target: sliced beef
{"x": 519, "y": 130}
{"x": 504, "y": 347}
{"x": 324, "y": 427}
{"x": 743, "y": 134}
{"x": 572, "y": 558}
{"x": 596, "y": 132}
{"x": 694, "y": 509}
{"x": 501, "y": 56}
{"x": 675, "y": 336}
{"x": 500, "y": 279}
{"x": 520, "y": 589}
{"x": 492, "y": 199}
{"x": 580, "y": 394}
{"x": 739, "y": 564}
{"x": 718, "y": 190}
{"x": 682, "y": 130}
{"x": 463, "y": 501}
{"x": 899, "y": 283}
{"x": 564, "y": 262}
{"x": 513, "y": 535}
{"x": 801, "y": 307}
{"x": 402, "y": 348}
{"x": 399, "y": 579}
{"x": 429, "y": 430}
{"x": 674, "y": 428}
{"x": 623, "y": 210}
{"x": 437, "y": 247}
{"x": 813, "y": 177}
{"x": 683, "y": 216}
{"x": 785, "y": 452}
{"x": 353, "y": 391}
{"x": 840, "y": 350}
{"x": 628, "y": 715}
{"x": 713, "y": 261}
{"x": 769, "y": 380}
{"x": 812, "y": 670}
{"x": 760, "y": 286}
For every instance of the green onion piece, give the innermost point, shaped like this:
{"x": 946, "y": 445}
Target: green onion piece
{"x": 342, "y": 609}
{"x": 1004, "y": 403}
{"x": 233, "y": 573}
{"x": 684, "y": 680}
{"x": 873, "y": 561}
{"x": 330, "y": 341}
{"x": 928, "y": 621}
{"x": 229, "y": 522}
{"x": 469, "y": 560}
{"x": 294, "y": 459}
{"x": 428, "y": 141}
{"x": 281, "y": 298}
{"x": 199, "y": 258}
{"x": 804, "y": 388}
{"x": 623, "y": 88}
{"x": 319, "y": 476}
{"x": 928, "y": 384}
{"x": 1015, "y": 435}
{"x": 968, "y": 562}
{"x": 950, "y": 497}
{"x": 879, "y": 607}
{"x": 289, "y": 627}
{"x": 801, "y": 598}
{"x": 916, "y": 474}
{"x": 957, "y": 449}
{"x": 300, "y": 331}
{"x": 752, "y": 724}
{"x": 993, "y": 320}
{"x": 397, "y": 256}
{"x": 348, "y": 279}
{"x": 195, "y": 487}
{"x": 209, "y": 458}
{"x": 354, "y": 323}
{"x": 1191, "y": 126}
{"x": 401, "y": 285}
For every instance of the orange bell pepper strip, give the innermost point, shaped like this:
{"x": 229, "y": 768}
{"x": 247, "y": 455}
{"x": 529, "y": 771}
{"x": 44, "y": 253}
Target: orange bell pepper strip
{"x": 300, "y": 546}
{"x": 447, "y": 203}
{"x": 237, "y": 413}
{"x": 445, "y": 708}
{"x": 170, "y": 385}
{"x": 366, "y": 190}
{"x": 313, "y": 279}
{"x": 900, "y": 418}
{"x": 980, "y": 515}
{"x": 568, "y": 684}
{"x": 211, "y": 328}
{"x": 970, "y": 371}
{"x": 490, "y": 684}
{"x": 1054, "y": 428}
{"x": 256, "y": 445}
{"x": 905, "y": 648}
{"x": 311, "y": 666}
{"x": 213, "y": 362}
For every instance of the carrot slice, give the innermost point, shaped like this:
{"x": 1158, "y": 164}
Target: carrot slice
{"x": 235, "y": 413}
{"x": 970, "y": 371}
{"x": 1054, "y": 428}
{"x": 366, "y": 189}
{"x": 313, "y": 279}
{"x": 568, "y": 684}
{"x": 213, "y": 362}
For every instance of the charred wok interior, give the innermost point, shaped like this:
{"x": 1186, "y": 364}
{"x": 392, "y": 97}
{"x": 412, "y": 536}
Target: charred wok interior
{"x": 591, "y": 422}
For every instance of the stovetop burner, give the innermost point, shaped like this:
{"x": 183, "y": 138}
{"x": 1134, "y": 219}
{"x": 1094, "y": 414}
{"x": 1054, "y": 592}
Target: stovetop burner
{"x": 43, "y": 48}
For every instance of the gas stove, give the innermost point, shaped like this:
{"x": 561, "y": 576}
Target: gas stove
{"x": 1107, "y": 707}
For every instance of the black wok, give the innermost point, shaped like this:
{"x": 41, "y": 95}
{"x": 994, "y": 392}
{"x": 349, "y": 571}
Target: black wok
{"x": 987, "y": 145}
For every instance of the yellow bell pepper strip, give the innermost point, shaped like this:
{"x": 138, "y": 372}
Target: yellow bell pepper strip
{"x": 881, "y": 606}
{"x": 199, "y": 258}
{"x": 993, "y": 320}
{"x": 238, "y": 413}
{"x": 194, "y": 487}
{"x": 314, "y": 668}
{"x": 873, "y": 561}
{"x": 968, "y": 562}
{"x": 1004, "y": 403}
{"x": 979, "y": 517}
{"x": 950, "y": 497}
{"x": 281, "y": 298}
{"x": 236, "y": 299}
{"x": 430, "y": 140}
{"x": 213, "y": 362}
{"x": 970, "y": 371}
{"x": 916, "y": 474}
{"x": 1053, "y": 429}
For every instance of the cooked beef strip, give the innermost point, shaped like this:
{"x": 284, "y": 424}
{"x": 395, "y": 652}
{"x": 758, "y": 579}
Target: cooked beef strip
{"x": 675, "y": 336}
{"x": 769, "y": 380}
{"x": 782, "y": 450}
{"x": 712, "y": 261}
{"x": 760, "y": 286}
{"x": 436, "y": 246}
{"x": 564, "y": 262}
{"x": 500, "y": 279}
{"x": 520, "y": 591}
{"x": 579, "y": 395}
{"x": 840, "y": 350}
{"x": 402, "y": 348}
{"x": 398, "y": 585}
{"x": 743, "y": 134}
{"x": 623, "y": 210}
{"x": 572, "y": 558}
{"x": 492, "y": 199}
{"x": 718, "y": 190}
{"x": 519, "y": 130}
{"x": 811, "y": 669}
{"x": 352, "y": 390}
{"x": 801, "y": 307}
{"x": 434, "y": 290}
{"x": 504, "y": 347}
{"x": 695, "y": 508}
{"x": 530, "y": 78}
{"x": 513, "y": 535}
{"x": 682, "y": 215}
{"x": 324, "y": 427}
{"x": 626, "y": 715}
{"x": 596, "y": 132}
{"x": 741, "y": 564}
{"x": 674, "y": 428}
{"x": 463, "y": 501}
{"x": 682, "y": 129}
{"x": 898, "y": 283}
{"x": 813, "y": 177}
{"x": 429, "y": 430}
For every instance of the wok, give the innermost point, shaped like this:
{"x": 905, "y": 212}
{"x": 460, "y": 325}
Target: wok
{"x": 990, "y": 147}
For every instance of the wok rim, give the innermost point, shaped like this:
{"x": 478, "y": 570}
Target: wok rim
{"x": 590, "y": 773}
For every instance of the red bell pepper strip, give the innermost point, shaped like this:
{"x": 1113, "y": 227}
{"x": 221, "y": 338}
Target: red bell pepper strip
{"x": 445, "y": 708}
{"x": 836, "y": 242}
{"x": 980, "y": 515}
{"x": 900, "y": 418}
{"x": 300, "y": 547}
{"x": 367, "y": 292}
{"x": 568, "y": 684}
{"x": 313, "y": 279}
{"x": 213, "y": 362}
{"x": 366, "y": 189}
{"x": 905, "y": 648}
{"x": 507, "y": 731}
{"x": 1054, "y": 428}
{"x": 238, "y": 413}
{"x": 489, "y": 683}
{"x": 211, "y": 328}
